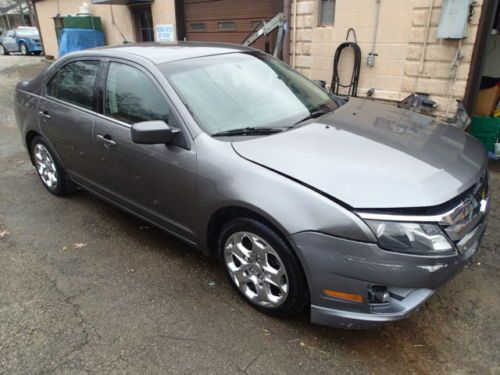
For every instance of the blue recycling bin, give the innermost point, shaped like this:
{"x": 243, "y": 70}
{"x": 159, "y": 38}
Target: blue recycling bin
{"x": 79, "y": 39}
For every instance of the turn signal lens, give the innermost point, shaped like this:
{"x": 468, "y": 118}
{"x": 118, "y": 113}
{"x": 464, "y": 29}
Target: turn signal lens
{"x": 342, "y": 295}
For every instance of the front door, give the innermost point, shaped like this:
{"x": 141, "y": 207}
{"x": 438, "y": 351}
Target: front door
{"x": 156, "y": 181}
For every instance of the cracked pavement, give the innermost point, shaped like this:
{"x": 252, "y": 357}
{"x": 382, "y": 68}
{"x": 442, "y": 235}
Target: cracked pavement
{"x": 87, "y": 289}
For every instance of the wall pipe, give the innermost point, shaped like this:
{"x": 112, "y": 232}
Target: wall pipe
{"x": 286, "y": 42}
{"x": 427, "y": 28}
{"x": 370, "y": 60}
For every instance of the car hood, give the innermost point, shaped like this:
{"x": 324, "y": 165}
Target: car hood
{"x": 371, "y": 155}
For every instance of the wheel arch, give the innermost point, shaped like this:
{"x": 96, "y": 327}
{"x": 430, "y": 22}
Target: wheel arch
{"x": 224, "y": 214}
{"x": 30, "y": 135}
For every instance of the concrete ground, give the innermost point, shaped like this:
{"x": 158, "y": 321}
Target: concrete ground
{"x": 85, "y": 288}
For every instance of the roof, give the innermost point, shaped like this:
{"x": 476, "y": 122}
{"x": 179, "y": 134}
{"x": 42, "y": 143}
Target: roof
{"x": 161, "y": 52}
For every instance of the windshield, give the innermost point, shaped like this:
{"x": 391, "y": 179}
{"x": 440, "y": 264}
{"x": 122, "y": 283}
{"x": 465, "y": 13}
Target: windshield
{"x": 27, "y": 33}
{"x": 242, "y": 90}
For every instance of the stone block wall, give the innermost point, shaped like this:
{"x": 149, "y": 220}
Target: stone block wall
{"x": 400, "y": 44}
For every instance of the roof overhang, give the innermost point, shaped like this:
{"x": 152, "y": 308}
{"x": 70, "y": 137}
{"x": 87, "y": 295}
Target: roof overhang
{"x": 121, "y": 2}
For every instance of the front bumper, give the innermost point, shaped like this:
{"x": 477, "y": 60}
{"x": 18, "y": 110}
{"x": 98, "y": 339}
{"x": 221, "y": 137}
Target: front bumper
{"x": 354, "y": 267}
{"x": 35, "y": 47}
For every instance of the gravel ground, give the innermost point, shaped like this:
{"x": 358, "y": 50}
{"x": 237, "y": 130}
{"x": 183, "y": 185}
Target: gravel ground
{"x": 85, "y": 288}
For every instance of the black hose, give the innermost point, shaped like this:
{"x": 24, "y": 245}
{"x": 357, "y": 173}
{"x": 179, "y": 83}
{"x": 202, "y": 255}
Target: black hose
{"x": 353, "y": 85}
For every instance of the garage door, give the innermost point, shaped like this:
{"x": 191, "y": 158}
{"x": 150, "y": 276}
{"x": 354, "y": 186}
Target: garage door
{"x": 225, "y": 20}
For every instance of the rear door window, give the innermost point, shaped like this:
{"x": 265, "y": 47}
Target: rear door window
{"x": 75, "y": 83}
{"x": 132, "y": 97}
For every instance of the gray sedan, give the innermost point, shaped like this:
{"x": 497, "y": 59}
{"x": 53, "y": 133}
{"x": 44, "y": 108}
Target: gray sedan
{"x": 356, "y": 210}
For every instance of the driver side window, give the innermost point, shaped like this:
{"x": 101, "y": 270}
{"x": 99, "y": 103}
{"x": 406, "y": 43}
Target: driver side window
{"x": 132, "y": 97}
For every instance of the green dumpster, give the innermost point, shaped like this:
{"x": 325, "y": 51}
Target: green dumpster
{"x": 76, "y": 22}
{"x": 486, "y": 129}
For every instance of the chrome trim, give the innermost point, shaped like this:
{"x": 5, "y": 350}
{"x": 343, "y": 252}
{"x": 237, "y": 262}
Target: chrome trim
{"x": 471, "y": 239}
{"x": 90, "y": 112}
{"x": 30, "y": 93}
{"x": 448, "y": 218}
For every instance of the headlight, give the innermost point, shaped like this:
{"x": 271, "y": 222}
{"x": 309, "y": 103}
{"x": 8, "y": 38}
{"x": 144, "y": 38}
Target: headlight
{"x": 414, "y": 238}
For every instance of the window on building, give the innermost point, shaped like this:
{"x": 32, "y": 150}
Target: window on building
{"x": 132, "y": 97}
{"x": 326, "y": 12}
{"x": 226, "y": 26}
{"x": 199, "y": 26}
{"x": 75, "y": 83}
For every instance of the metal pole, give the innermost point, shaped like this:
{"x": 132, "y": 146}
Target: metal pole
{"x": 294, "y": 43}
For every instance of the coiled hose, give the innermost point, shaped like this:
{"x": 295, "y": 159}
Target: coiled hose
{"x": 353, "y": 85}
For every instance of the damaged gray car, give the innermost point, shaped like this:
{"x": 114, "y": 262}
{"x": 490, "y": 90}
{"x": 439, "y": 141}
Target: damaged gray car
{"x": 357, "y": 211}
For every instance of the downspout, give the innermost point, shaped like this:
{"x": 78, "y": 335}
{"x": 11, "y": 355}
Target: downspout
{"x": 427, "y": 27}
{"x": 294, "y": 43}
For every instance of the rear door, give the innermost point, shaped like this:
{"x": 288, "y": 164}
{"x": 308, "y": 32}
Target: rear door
{"x": 155, "y": 181}
{"x": 66, "y": 114}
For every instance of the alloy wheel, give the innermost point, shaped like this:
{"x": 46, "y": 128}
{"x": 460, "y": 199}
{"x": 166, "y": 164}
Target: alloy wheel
{"x": 24, "y": 50}
{"x": 256, "y": 269}
{"x": 45, "y": 166}
{"x": 2, "y": 50}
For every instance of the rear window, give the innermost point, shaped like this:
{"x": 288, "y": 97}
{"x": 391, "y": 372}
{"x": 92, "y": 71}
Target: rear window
{"x": 75, "y": 83}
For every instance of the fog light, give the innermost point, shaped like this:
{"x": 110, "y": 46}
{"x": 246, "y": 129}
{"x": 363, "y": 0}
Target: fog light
{"x": 378, "y": 294}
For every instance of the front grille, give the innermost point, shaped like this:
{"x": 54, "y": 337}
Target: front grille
{"x": 465, "y": 219}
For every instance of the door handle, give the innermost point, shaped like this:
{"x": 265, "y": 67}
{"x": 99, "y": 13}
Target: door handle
{"x": 106, "y": 139}
{"x": 45, "y": 115}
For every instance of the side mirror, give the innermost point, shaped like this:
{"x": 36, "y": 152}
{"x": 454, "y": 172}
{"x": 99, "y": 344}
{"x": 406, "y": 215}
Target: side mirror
{"x": 153, "y": 132}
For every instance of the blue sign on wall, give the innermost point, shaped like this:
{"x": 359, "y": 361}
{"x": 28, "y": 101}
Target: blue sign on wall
{"x": 165, "y": 33}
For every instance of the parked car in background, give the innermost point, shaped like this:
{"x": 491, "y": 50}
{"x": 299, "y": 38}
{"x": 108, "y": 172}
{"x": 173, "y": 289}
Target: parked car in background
{"x": 22, "y": 39}
{"x": 358, "y": 210}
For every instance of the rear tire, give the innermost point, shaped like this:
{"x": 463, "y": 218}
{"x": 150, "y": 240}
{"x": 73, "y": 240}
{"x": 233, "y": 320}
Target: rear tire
{"x": 262, "y": 267}
{"x": 49, "y": 169}
{"x": 3, "y": 50}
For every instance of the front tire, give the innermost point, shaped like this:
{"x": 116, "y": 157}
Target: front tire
{"x": 49, "y": 169}
{"x": 24, "y": 49}
{"x": 262, "y": 267}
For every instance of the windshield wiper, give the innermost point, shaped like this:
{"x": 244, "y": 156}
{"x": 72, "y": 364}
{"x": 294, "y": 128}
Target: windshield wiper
{"x": 315, "y": 114}
{"x": 247, "y": 131}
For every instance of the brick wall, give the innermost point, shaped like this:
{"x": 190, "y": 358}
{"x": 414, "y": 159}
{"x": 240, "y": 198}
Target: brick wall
{"x": 400, "y": 40}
